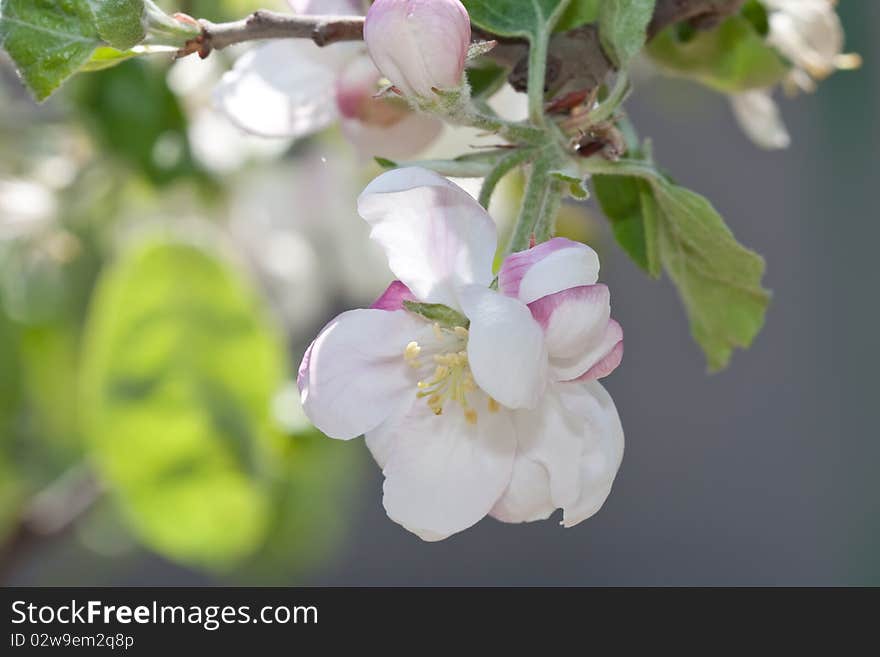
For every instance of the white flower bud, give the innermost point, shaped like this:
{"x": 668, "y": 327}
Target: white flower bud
{"x": 419, "y": 45}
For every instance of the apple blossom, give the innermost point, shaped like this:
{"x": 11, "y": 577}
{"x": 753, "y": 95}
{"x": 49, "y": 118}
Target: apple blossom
{"x": 474, "y": 401}
{"x": 294, "y": 89}
{"x": 809, "y": 34}
{"x": 419, "y": 45}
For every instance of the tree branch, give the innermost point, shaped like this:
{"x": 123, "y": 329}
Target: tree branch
{"x": 264, "y": 24}
{"x": 50, "y": 514}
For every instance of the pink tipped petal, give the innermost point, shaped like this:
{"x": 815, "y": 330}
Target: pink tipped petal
{"x": 354, "y": 375}
{"x": 419, "y": 45}
{"x": 505, "y": 348}
{"x": 575, "y": 434}
{"x": 548, "y": 268}
{"x": 578, "y": 329}
{"x": 279, "y": 90}
{"x": 611, "y": 361}
{"x": 444, "y": 473}
{"x": 436, "y": 236}
{"x": 408, "y": 137}
{"x": 527, "y": 498}
{"x": 393, "y": 297}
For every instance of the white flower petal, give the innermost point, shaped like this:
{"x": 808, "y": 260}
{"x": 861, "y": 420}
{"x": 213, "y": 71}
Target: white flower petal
{"x": 280, "y": 90}
{"x": 603, "y": 452}
{"x": 444, "y": 474}
{"x": 577, "y": 329}
{"x": 327, "y": 7}
{"x": 381, "y": 440}
{"x": 575, "y": 434}
{"x": 506, "y": 348}
{"x": 759, "y": 117}
{"x": 548, "y": 268}
{"x": 406, "y": 138}
{"x": 354, "y": 376}
{"x": 527, "y": 498}
{"x": 436, "y": 236}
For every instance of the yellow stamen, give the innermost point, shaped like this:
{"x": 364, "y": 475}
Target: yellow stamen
{"x": 471, "y": 416}
{"x": 494, "y": 406}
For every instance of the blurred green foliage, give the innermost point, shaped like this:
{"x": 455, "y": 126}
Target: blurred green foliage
{"x": 179, "y": 374}
{"x": 146, "y": 354}
{"x": 732, "y": 58}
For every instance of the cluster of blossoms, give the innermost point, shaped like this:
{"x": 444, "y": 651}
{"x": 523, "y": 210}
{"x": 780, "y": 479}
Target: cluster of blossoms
{"x": 474, "y": 400}
{"x": 478, "y": 395}
{"x": 477, "y": 392}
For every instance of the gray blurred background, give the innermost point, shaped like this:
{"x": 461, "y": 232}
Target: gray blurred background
{"x": 765, "y": 474}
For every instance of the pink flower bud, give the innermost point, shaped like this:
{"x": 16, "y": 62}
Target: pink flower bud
{"x": 356, "y": 91}
{"x": 419, "y": 45}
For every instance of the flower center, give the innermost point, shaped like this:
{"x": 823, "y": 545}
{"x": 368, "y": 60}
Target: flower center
{"x": 445, "y": 355}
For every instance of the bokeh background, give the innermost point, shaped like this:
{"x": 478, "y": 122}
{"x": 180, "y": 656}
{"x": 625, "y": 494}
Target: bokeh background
{"x": 149, "y": 249}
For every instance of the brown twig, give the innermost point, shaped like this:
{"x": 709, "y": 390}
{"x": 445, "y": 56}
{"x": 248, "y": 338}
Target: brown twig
{"x": 50, "y": 514}
{"x": 264, "y": 24}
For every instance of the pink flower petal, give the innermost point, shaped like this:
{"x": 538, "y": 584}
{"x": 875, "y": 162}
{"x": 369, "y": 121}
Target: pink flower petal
{"x": 393, "y": 297}
{"x": 548, "y": 268}
{"x": 581, "y": 337}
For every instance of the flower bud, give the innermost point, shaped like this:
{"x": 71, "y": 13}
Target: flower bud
{"x": 356, "y": 90}
{"x": 419, "y": 45}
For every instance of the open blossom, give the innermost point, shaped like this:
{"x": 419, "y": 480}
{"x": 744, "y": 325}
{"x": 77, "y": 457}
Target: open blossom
{"x": 493, "y": 407}
{"x": 293, "y": 88}
{"x": 808, "y": 33}
{"x": 419, "y": 45}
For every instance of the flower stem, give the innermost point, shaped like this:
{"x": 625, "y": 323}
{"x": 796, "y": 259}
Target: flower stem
{"x": 545, "y": 226}
{"x": 504, "y": 166}
{"x": 538, "y": 76}
{"x": 532, "y": 206}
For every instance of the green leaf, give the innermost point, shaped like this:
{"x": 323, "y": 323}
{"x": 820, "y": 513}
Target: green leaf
{"x": 579, "y": 12}
{"x": 719, "y": 280}
{"x": 179, "y": 370}
{"x": 628, "y": 203}
{"x": 663, "y": 224}
{"x": 120, "y": 22}
{"x": 48, "y": 41}
{"x": 515, "y": 18}
{"x": 106, "y": 57}
{"x": 732, "y": 58}
{"x": 574, "y": 182}
{"x": 623, "y": 28}
{"x": 486, "y": 77}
